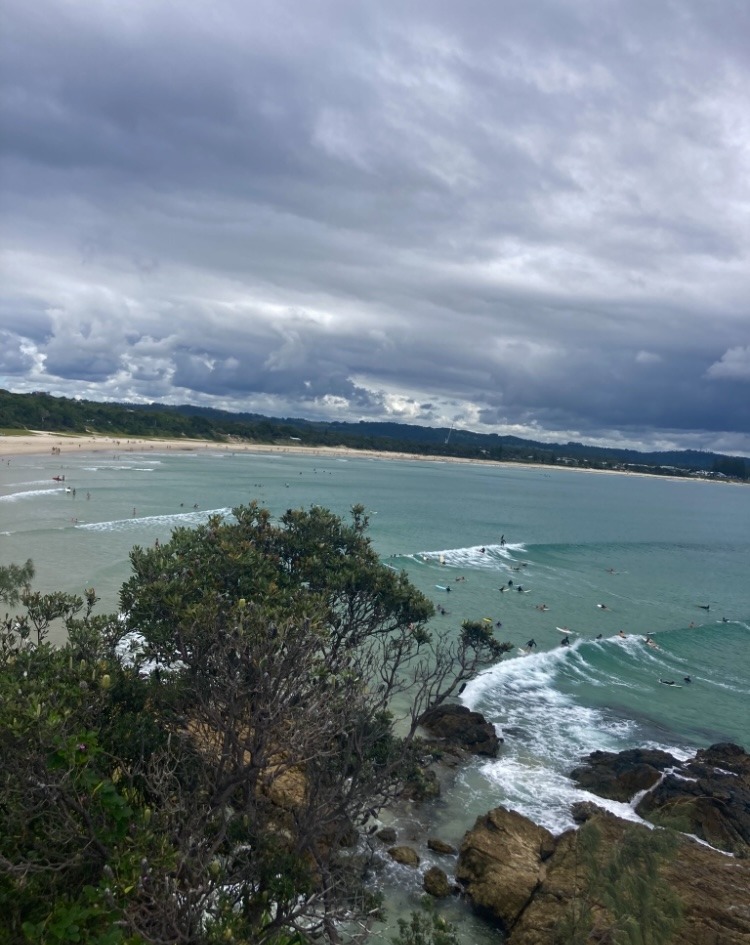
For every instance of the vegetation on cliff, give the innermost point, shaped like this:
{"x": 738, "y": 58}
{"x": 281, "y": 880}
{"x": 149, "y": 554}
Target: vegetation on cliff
{"x": 194, "y": 770}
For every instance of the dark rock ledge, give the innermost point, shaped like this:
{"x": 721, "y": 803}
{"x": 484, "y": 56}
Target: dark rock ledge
{"x": 527, "y": 881}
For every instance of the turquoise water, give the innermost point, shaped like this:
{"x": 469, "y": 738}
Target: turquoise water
{"x": 650, "y": 550}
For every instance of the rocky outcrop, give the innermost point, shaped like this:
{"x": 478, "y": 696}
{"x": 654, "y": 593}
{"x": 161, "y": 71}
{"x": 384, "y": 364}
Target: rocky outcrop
{"x": 619, "y": 776}
{"x": 501, "y": 863}
{"x": 460, "y": 727}
{"x": 534, "y": 886}
{"x": 707, "y": 796}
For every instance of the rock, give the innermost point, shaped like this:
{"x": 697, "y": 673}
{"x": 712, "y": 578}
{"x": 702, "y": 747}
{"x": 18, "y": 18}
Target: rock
{"x": 621, "y": 775}
{"x": 712, "y": 888}
{"x": 458, "y": 725}
{"x": 404, "y": 855}
{"x": 386, "y": 835}
{"x": 500, "y": 863}
{"x": 440, "y": 846}
{"x": 583, "y": 811}
{"x": 515, "y": 872}
{"x": 708, "y": 796}
{"x": 436, "y": 883}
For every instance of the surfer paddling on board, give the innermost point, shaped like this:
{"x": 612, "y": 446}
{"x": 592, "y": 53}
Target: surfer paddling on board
{"x": 622, "y": 635}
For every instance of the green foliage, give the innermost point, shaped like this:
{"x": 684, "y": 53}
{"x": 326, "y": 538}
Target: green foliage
{"x": 426, "y": 928}
{"x": 13, "y": 579}
{"x": 627, "y": 882}
{"x": 646, "y": 910}
{"x": 203, "y": 790}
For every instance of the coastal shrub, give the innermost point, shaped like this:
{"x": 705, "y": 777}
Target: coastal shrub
{"x": 204, "y": 786}
{"x": 426, "y": 928}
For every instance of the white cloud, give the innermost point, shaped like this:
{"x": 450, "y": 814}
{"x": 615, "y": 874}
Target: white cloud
{"x": 734, "y": 365}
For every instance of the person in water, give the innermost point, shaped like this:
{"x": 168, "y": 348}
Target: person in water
{"x": 622, "y": 635}
{"x": 565, "y": 641}
{"x": 687, "y": 679}
{"x": 531, "y": 643}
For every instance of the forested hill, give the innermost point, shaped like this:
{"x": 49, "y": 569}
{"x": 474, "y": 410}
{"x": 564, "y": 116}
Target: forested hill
{"x": 41, "y": 411}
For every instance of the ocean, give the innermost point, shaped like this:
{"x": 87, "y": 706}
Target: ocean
{"x": 594, "y": 553}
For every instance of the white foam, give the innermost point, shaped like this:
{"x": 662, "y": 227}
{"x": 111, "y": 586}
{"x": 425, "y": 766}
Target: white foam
{"x": 487, "y": 557}
{"x": 30, "y": 494}
{"x": 546, "y": 734}
{"x": 180, "y": 518}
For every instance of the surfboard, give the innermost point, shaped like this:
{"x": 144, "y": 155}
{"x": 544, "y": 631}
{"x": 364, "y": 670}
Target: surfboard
{"x": 565, "y": 630}
{"x": 522, "y": 650}
{"x": 441, "y": 587}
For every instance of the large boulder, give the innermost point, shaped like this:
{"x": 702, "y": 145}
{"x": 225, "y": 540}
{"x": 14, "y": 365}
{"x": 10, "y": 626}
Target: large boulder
{"x": 500, "y": 863}
{"x": 458, "y": 726}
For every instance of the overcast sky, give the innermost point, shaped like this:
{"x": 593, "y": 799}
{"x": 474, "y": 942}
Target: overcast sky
{"x": 518, "y": 216}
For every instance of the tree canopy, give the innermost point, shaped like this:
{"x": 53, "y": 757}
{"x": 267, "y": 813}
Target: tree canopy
{"x": 195, "y": 768}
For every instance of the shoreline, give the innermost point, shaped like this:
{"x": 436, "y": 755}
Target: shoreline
{"x": 43, "y": 442}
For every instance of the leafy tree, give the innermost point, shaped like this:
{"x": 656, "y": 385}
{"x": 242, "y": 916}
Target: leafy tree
{"x": 206, "y": 785}
{"x": 13, "y": 579}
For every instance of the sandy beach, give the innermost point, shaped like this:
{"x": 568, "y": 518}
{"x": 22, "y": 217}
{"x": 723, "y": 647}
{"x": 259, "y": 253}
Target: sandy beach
{"x": 41, "y": 442}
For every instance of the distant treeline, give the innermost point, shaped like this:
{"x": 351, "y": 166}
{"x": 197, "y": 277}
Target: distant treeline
{"x": 42, "y": 411}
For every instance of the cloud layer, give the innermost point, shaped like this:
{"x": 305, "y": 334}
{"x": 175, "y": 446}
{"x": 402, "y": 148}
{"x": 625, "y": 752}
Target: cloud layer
{"x": 527, "y": 218}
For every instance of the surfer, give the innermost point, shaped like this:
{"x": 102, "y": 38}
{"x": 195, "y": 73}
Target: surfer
{"x": 687, "y": 679}
{"x": 502, "y": 541}
{"x": 531, "y": 643}
{"x": 622, "y": 635}
{"x": 668, "y": 682}
{"x": 565, "y": 641}
{"x": 602, "y": 607}
{"x": 598, "y": 636}
{"x": 704, "y": 606}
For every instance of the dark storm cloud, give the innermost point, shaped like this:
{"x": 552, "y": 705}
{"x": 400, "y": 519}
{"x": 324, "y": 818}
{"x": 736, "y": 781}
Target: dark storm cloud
{"x": 519, "y": 217}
